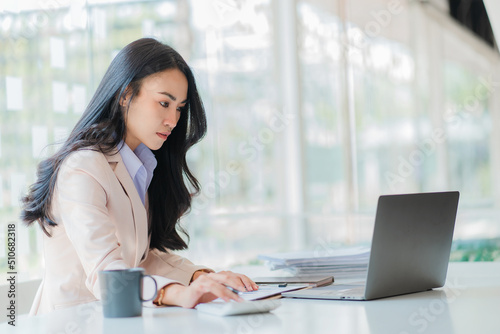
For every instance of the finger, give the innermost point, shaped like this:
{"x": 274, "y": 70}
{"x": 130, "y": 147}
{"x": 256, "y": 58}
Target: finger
{"x": 210, "y": 285}
{"x": 226, "y": 294}
{"x": 230, "y": 279}
{"x": 207, "y": 297}
{"x": 249, "y": 284}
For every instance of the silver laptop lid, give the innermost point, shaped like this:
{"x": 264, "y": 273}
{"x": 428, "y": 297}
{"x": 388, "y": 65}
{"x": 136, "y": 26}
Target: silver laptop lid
{"x": 411, "y": 243}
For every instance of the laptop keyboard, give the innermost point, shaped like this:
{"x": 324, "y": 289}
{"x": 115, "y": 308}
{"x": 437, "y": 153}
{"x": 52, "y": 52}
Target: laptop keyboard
{"x": 341, "y": 290}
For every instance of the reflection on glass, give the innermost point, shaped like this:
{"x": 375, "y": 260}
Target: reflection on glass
{"x": 382, "y": 111}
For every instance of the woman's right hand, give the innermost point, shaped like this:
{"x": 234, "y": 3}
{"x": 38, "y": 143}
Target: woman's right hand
{"x": 204, "y": 289}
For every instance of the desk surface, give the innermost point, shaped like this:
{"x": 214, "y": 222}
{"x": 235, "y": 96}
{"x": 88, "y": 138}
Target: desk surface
{"x": 469, "y": 303}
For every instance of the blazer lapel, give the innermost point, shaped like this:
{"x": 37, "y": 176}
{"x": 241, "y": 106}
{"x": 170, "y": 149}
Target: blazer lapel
{"x": 138, "y": 209}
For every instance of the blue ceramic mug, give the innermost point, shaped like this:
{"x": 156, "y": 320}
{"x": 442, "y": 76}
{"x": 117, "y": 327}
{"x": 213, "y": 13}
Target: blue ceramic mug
{"x": 121, "y": 292}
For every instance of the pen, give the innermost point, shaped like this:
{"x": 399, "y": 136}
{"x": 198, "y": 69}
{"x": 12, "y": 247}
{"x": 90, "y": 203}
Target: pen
{"x": 233, "y": 290}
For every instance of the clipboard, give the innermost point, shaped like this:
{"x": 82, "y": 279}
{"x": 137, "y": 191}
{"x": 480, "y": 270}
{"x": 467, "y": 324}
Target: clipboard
{"x": 314, "y": 281}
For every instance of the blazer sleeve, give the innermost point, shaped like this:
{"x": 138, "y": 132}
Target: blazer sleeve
{"x": 170, "y": 265}
{"x": 81, "y": 203}
{"x": 81, "y": 199}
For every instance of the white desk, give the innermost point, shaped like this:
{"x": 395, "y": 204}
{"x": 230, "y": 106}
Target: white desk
{"x": 469, "y": 303}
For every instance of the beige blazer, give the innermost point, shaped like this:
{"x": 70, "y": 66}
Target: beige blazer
{"x": 102, "y": 224}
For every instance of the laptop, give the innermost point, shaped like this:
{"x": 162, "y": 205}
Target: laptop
{"x": 410, "y": 248}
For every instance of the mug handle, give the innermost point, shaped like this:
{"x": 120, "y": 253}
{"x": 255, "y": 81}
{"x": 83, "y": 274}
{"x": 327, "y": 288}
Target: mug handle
{"x": 156, "y": 288}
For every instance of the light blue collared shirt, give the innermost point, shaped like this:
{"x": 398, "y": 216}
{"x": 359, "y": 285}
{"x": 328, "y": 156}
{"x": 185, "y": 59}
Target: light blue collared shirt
{"x": 140, "y": 164}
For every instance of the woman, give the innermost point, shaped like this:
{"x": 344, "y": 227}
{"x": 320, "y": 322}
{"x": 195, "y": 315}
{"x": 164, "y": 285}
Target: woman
{"x": 112, "y": 196}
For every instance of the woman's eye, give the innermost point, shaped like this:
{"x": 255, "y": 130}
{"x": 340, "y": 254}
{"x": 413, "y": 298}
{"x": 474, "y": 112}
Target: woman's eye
{"x": 181, "y": 109}
{"x": 164, "y": 104}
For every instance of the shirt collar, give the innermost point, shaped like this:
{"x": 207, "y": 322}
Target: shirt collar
{"x": 134, "y": 160}
{"x": 147, "y": 157}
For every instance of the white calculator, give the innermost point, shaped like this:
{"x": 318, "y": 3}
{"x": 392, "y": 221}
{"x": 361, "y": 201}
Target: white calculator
{"x": 221, "y": 308}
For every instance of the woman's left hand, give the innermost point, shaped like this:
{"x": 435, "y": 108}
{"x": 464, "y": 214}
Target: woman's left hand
{"x": 237, "y": 281}
{"x": 206, "y": 287}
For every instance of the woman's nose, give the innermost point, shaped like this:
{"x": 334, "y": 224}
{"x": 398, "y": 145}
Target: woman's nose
{"x": 170, "y": 120}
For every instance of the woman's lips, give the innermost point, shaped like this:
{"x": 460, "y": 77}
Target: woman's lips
{"x": 163, "y": 135}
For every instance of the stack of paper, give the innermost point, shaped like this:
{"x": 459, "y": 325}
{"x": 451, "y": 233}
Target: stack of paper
{"x": 340, "y": 263}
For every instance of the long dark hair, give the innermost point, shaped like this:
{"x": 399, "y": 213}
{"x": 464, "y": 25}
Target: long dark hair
{"x": 102, "y": 127}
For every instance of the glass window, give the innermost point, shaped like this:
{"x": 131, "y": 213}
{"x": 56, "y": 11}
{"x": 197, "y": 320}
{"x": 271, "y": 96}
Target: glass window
{"x": 235, "y": 62}
{"x": 391, "y": 98}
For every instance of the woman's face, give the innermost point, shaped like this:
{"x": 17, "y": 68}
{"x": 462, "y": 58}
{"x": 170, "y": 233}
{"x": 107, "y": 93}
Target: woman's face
{"x": 155, "y": 110}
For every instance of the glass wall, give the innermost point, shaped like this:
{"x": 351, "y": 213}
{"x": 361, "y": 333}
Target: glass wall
{"x": 387, "y": 97}
{"x": 410, "y": 99}
{"x": 237, "y": 163}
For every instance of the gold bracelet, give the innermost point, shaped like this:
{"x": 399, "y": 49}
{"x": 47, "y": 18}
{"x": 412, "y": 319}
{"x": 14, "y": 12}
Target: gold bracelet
{"x": 162, "y": 292}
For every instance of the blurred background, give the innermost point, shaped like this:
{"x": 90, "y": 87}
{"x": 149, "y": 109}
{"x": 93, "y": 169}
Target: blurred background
{"x": 315, "y": 108}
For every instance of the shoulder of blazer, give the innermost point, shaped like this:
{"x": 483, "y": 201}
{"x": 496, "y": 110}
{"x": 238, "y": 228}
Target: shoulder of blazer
{"x": 90, "y": 156}
{"x": 91, "y": 161}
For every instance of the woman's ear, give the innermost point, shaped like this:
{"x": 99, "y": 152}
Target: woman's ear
{"x": 124, "y": 100}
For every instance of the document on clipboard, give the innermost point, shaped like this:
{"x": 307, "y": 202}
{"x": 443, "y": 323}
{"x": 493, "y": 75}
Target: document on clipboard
{"x": 314, "y": 281}
{"x": 270, "y": 290}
